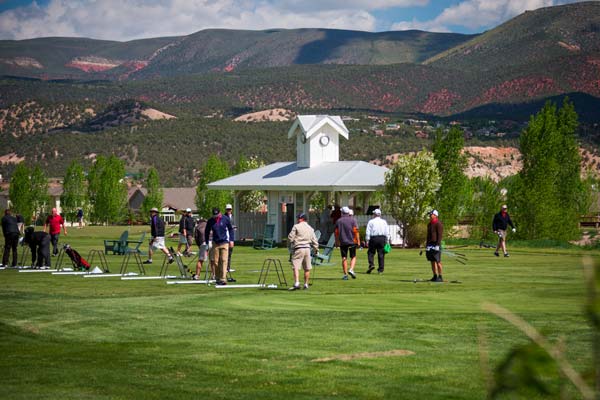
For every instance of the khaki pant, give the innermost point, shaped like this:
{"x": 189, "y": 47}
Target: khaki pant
{"x": 219, "y": 253}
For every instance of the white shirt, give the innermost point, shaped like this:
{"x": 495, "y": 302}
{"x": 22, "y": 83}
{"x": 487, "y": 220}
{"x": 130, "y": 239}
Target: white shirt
{"x": 377, "y": 227}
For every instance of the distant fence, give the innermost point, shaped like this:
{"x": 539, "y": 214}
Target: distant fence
{"x": 589, "y": 221}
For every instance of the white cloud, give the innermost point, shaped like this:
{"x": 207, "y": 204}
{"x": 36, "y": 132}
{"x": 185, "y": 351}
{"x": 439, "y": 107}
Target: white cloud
{"x": 134, "y": 19}
{"x": 476, "y": 14}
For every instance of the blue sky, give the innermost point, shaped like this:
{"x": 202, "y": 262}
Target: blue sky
{"x": 136, "y": 19}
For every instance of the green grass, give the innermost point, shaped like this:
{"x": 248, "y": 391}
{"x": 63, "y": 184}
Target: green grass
{"x": 66, "y": 337}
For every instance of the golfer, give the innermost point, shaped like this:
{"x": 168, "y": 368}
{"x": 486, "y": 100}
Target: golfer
{"x": 433, "y": 250}
{"x": 10, "y": 229}
{"x": 300, "y": 241}
{"x": 157, "y": 231}
{"x": 499, "y": 225}
{"x": 377, "y": 235}
{"x": 53, "y": 223}
{"x": 346, "y": 232}
{"x": 222, "y": 239}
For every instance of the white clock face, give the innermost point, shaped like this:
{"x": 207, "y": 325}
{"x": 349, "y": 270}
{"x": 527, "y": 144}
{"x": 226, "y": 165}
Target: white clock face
{"x": 324, "y": 140}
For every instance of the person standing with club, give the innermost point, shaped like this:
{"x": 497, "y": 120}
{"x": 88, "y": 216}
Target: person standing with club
{"x": 499, "y": 226}
{"x": 10, "y": 229}
{"x": 300, "y": 241}
{"x": 433, "y": 249}
{"x": 222, "y": 239}
{"x": 52, "y": 226}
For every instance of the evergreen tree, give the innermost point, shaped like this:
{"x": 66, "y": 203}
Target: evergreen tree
{"x": 74, "y": 191}
{"x": 212, "y": 170}
{"x": 547, "y": 191}
{"x": 19, "y": 192}
{"x": 410, "y": 188}
{"x": 453, "y": 195}
{"x": 154, "y": 197}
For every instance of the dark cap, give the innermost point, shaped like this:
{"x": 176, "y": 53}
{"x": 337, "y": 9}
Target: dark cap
{"x": 216, "y": 211}
{"x": 301, "y": 216}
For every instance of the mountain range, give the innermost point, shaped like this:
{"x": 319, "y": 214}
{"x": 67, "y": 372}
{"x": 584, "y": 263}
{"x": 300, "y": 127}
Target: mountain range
{"x": 52, "y": 86}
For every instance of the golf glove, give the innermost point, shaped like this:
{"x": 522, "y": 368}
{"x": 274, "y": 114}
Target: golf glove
{"x": 210, "y": 244}
{"x": 514, "y": 230}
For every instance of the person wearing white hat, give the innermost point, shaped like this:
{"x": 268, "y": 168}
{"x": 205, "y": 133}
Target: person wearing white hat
{"x": 345, "y": 234}
{"x": 229, "y": 213}
{"x": 433, "y": 250}
{"x": 377, "y": 235}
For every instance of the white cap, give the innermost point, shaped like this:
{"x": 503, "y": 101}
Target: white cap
{"x": 228, "y": 207}
{"x": 434, "y": 212}
{"x": 345, "y": 210}
{"x": 188, "y": 210}
{"x": 377, "y": 211}
{"x": 351, "y": 212}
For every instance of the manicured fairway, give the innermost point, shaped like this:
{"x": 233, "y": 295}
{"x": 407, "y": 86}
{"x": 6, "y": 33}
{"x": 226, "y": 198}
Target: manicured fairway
{"x": 67, "y": 337}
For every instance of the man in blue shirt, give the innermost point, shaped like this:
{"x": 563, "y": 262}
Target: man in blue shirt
{"x": 222, "y": 239}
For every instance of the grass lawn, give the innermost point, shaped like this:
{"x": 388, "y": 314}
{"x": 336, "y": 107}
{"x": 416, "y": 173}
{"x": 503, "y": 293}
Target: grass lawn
{"x": 67, "y": 337}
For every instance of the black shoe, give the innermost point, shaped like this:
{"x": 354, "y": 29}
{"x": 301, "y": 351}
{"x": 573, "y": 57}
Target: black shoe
{"x": 222, "y": 283}
{"x": 171, "y": 260}
{"x": 380, "y": 272}
{"x": 370, "y": 270}
{"x": 294, "y": 288}
{"x": 352, "y": 274}
{"x": 439, "y": 279}
{"x": 148, "y": 262}
{"x": 434, "y": 279}
{"x": 231, "y": 280}
{"x": 496, "y": 254}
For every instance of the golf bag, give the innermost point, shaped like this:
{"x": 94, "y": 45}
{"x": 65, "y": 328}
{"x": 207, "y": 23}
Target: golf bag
{"x": 79, "y": 263}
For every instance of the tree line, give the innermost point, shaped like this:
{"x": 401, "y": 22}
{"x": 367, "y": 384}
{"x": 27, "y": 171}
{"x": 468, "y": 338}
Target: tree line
{"x": 547, "y": 195}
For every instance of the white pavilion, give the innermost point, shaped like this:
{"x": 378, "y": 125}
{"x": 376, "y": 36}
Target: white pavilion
{"x": 316, "y": 169}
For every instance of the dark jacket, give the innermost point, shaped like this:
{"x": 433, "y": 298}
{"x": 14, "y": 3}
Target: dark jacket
{"x": 9, "y": 224}
{"x": 434, "y": 233}
{"x": 221, "y": 228}
{"x": 501, "y": 222}
{"x": 157, "y": 226}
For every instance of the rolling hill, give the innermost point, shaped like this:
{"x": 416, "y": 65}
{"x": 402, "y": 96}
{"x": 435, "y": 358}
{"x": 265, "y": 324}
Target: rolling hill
{"x": 57, "y": 92}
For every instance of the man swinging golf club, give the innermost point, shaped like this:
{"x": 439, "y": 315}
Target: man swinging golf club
{"x": 499, "y": 225}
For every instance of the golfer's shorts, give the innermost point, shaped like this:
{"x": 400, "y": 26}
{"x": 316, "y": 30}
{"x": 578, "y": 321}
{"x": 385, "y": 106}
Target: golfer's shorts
{"x": 501, "y": 234}
{"x": 348, "y": 248}
{"x": 433, "y": 255}
{"x": 183, "y": 239}
{"x": 301, "y": 258}
{"x": 203, "y": 252}
{"x": 159, "y": 243}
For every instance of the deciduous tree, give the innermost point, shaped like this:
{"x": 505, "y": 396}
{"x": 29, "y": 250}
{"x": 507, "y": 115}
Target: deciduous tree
{"x": 154, "y": 197}
{"x": 453, "y": 195}
{"x": 19, "y": 192}
{"x": 74, "y": 191}
{"x": 212, "y": 170}
{"x": 410, "y": 188}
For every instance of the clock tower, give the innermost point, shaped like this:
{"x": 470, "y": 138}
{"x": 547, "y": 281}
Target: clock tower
{"x": 317, "y": 139}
